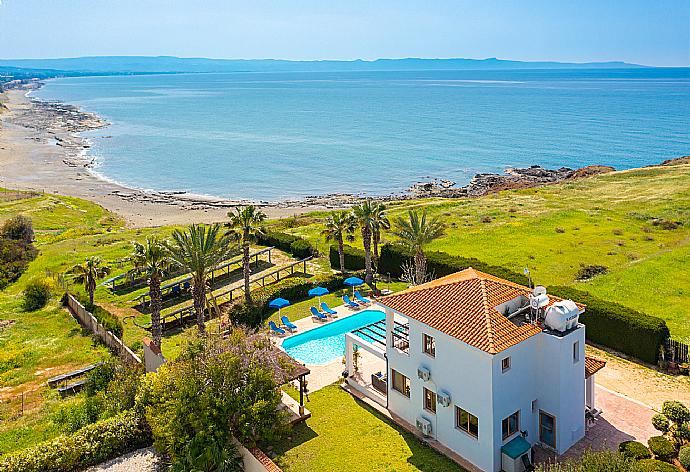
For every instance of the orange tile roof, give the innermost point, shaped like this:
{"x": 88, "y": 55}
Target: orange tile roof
{"x": 593, "y": 365}
{"x": 463, "y": 305}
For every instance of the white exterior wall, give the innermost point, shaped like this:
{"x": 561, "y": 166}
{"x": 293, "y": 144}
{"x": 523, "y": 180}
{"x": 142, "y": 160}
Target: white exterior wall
{"x": 462, "y": 371}
{"x": 542, "y": 369}
{"x": 561, "y": 383}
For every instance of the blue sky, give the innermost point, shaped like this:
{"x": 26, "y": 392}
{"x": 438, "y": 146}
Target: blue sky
{"x": 641, "y": 31}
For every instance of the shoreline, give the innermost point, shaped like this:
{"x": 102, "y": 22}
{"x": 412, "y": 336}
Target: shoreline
{"x": 41, "y": 150}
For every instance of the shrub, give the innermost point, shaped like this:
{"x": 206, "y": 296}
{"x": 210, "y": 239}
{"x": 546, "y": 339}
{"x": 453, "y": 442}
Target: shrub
{"x": 208, "y": 454}
{"x": 590, "y": 271}
{"x": 684, "y": 457}
{"x": 36, "y": 294}
{"x": 662, "y": 448}
{"x": 90, "y": 445}
{"x": 301, "y": 248}
{"x": 295, "y": 245}
{"x": 618, "y": 327}
{"x": 14, "y": 259}
{"x": 18, "y": 228}
{"x": 73, "y": 416}
{"x": 634, "y": 450}
{"x": 661, "y": 423}
{"x": 675, "y": 411}
{"x": 601, "y": 461}
{"x": 354, "y": 258}
{"x": 653, "y": 465}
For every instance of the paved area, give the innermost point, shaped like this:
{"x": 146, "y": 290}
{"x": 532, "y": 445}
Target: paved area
{"x": 622, "y": 419}
{"x": 141, "y": 460}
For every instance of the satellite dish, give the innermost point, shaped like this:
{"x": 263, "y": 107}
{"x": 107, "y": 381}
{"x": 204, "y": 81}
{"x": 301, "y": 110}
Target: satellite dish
{"x": 539, "y": 290}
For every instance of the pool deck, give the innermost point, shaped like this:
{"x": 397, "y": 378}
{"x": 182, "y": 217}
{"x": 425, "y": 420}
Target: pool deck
{"x": 326, "y": 374}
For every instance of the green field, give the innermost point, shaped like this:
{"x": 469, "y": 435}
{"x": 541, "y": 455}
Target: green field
{"x": 617, "y": 220}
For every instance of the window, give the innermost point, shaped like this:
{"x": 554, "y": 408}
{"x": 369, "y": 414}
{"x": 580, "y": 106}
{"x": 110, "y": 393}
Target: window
{"x": 400, "y": 383}
{"x": 511, "y": 425}
{"x": 505, "y": 364}
{"x": 429, "y": 345}
{"x": 467, "y": 422}
{"x": 576, "y": 352}
{"x": 547, "y": 429}
{"x": 429, "y": 400}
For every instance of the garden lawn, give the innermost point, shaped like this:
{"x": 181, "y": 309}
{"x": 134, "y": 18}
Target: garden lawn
{"x": 346, "y": 434}
{"x": 625, "y": 221}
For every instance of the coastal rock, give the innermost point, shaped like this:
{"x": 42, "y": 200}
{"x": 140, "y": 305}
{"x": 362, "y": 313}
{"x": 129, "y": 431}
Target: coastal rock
{"x": 676, "y": 161}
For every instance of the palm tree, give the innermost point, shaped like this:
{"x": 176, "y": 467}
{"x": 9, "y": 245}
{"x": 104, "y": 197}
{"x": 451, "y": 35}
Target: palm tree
{"x": 364, "y": 216}
{"x": 379, "y": 222}
{"x": 198, "y": 250}
{"x": 88, "y": 272}
{"x": 153, "y": 259}
{"x": 340, "y": 226}
{"x": 246, "y": 222}
{"x": 415, "y": 233}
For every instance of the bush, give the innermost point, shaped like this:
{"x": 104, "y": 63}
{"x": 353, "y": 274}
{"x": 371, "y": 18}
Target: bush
{"x": 18, "y": 228}
{"x": 295, "y": 245}
{"x": 301, "y": 248}
{"x": 684, "y": 457}
{"x": 634, "y": 450}
{"x": 653, "y": 465}
{"x": 662, "y": 448}
{"x": 354, "y": 258}
{"x": 14, "y": 259}
{"x": 661, "y": 423}
{"x": 618, "y": 327}
{"x": 73, "y": 416}
{"x": 36, "y": 294}
{"x": 675, "y": 411}
{"x": 601, "y": 461}
{"x": 590, "y": 271}
{"x": 90, "y": 445}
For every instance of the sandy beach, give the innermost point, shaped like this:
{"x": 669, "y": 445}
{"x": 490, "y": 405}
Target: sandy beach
{"x": 43, "y": 153}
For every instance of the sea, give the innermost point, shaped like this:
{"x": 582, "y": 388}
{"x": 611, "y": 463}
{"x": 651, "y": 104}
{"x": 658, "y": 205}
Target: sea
{"x": 274, "y": 136}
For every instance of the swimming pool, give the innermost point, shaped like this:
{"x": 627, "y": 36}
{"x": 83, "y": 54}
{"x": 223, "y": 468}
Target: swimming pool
{"x": 326, "y": 343}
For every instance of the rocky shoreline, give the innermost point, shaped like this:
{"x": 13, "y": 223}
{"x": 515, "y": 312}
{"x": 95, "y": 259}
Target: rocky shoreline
{"x": 59, "y": 123}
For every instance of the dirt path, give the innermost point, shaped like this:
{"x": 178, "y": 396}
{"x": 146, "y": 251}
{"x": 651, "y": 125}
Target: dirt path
{"x": 640, "y": 382}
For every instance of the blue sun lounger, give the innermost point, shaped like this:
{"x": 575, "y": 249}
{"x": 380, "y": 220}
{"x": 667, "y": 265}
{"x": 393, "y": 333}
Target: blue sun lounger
{"x": 317, "y": 315}
{"x": 275, "y": 329}
{"x": 328, "y": 310}
{"x": 292, "y": 327}
{"x": 350, "y": 303}
{"x": 361, "y": 299}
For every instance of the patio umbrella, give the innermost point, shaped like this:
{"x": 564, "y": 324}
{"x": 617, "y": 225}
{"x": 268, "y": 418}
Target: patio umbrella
{"x": 278, "y": 303}
{"x": 353, "y": 282}
{"x": 318, "y": 292}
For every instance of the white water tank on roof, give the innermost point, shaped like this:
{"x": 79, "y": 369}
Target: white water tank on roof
{"x": 562, "y": 316}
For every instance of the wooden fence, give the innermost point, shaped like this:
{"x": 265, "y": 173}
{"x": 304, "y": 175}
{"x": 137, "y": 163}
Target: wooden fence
{"x": 679, "y": 350}
{"x": 88, "y": 321}
{"x": 17, "y": 405}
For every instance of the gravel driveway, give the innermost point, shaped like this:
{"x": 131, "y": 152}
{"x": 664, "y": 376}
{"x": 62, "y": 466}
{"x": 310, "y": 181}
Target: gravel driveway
{"x": 141, "y": 460}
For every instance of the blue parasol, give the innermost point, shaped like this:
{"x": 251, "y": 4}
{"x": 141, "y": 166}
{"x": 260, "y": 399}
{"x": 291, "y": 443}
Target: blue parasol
{"x": 318, "y": 292}
{"x": 279, "y": 303}
{"x": 353, "y": 282}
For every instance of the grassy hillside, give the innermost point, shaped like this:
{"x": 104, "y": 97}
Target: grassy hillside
{"x": 636, "y": 223}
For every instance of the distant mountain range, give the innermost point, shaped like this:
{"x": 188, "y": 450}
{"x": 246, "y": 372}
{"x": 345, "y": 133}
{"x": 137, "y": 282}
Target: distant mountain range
{"x": 170, "y": 64}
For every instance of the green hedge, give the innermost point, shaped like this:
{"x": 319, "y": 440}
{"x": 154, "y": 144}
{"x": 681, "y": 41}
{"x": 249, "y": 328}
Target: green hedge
{"x": 618, "y": 327}
{"x": 634, "y": 450}
{"x": 609, "y": 324}
{"x": 662, "y": 448}
{"x": 295, "y": 245}
{"x": 354, "y": 258}
{"x": 90, "y": 445}
{"x": 653, "y": 465}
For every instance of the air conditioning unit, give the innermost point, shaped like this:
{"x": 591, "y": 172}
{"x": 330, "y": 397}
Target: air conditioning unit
{"x": 424, "y": 425}
{"x": 424, "y": 374}
{"x": 443, "y": 398}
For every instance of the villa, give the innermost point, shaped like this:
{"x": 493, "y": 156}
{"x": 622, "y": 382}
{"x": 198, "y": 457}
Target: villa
{"x": 484, "y": 367}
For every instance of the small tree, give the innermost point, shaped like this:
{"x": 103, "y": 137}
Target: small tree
{"x": 88, "y": 273}
{"x": 18, "y": 228}
{"x": 673, "y": 421}
{"x": 416, "y": 232}
{"x": 379, "y": 222}
{"x": 364, "y": 216}
{"x": 153, "y": 259}
{"x": 340, "y": 227}
{"x": 246, "y": 223}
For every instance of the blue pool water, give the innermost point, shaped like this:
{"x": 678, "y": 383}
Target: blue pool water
{"x": 326, "y": 343}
